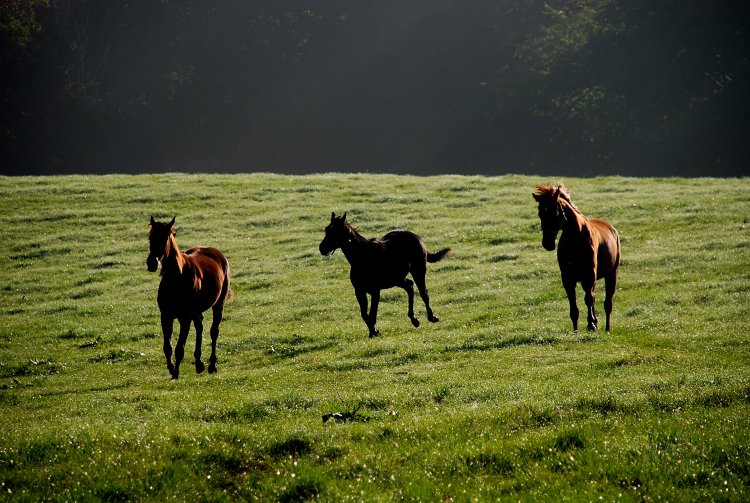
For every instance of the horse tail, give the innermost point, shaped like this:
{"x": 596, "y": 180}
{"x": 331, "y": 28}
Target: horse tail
{"x": 226, "y": 288}
{"x": 438, "y": 255}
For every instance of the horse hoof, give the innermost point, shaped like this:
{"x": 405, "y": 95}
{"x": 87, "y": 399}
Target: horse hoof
{"x": 434, "y": 319}
{"x": 415, "y": 322}
{"x": 212, "y": 369}
{"x": 591, "y": 327}
{"x": 199, "y": 366}
{"x": 374, "y": 334}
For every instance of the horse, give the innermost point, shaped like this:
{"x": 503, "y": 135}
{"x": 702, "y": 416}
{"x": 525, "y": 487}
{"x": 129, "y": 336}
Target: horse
{"x": 378, "y": 264}
{"x": 588, "y": 250}
{"x": 191, "y": 283}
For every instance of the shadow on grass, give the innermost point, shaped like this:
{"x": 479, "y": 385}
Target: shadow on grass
{"x": 486, "y": 345}
{"x": 294, "y": 446}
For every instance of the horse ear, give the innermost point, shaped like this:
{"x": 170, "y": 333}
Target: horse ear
{"x": 333, "y": 215}
{"x": 171, "y": 223}
{"x": 537, "y": 197}
{"x": 344, "y": 216}
{"x": 152, "y": 220}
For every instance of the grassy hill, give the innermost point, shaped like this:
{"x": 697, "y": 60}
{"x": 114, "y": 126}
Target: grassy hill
{"x": 498, "y": 400}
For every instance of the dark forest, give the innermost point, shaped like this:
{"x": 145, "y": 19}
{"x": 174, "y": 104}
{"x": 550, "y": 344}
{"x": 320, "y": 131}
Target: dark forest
{"x": 555, "y": 87}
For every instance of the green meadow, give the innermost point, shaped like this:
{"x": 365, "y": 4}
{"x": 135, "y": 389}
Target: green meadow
{"x": 499, "y": 400}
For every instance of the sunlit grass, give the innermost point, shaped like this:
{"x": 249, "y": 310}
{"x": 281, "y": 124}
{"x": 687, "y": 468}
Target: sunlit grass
{"x": 498, "y": 400}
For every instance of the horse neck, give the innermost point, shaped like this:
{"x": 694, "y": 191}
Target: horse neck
{"x": 173, "y": 260}
{"x": 353, "y": 250}
{"x": 575, "y": 219}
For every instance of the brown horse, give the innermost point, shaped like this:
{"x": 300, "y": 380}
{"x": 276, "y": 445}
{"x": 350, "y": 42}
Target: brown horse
{"x": 377, "y": 264}
{"x": 589, "y": 249}
{"x": 191, "y": 283}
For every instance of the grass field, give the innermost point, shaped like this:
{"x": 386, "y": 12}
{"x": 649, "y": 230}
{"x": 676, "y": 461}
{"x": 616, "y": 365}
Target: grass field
{"x": 500, "y": 400}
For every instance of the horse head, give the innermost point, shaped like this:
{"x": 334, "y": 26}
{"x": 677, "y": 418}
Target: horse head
{"x": 551, "y": 212}
{"x": 158, "y": 240}
{"x": 337, "y": 235}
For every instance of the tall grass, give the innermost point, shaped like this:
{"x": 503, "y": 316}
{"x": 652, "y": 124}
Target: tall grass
{"x": 500, "y": 400}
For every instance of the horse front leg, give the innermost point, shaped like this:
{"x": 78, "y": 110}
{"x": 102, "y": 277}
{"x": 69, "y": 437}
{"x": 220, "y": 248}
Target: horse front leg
{"x": 375, "y": 300}
{"x": 166, "y": 328}
{"x": 198, "y": 323}
{"x": 362, "y": 300}
{"x": 179, "y": 350}
{"x": 570, "y": 290}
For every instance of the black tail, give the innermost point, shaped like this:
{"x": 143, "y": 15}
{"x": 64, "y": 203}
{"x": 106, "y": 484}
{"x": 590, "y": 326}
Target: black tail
{"x": 438, "y": 255}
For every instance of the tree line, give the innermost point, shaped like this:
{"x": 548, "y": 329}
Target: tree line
{"x": 578, "y": 87}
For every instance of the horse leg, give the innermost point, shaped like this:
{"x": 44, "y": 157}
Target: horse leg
{"x": 179, "y": 350}
{"x": 570, "y": 289}
{"x": 362, "y": 299}
{"x": 166, "y": 328}
{"x": 419, "y": 279}
{"x": 218, "y": 311}
{"x": 610, "y": 282}
{"x": 408, "y": 286}
{"x": 198, "y": 323}
{"x": 374, "y": 301}
{"x": 589, "y": 288}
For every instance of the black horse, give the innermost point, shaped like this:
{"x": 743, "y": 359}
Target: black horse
{"x": 382, "y": 263}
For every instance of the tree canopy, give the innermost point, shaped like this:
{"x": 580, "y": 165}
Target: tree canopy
{"x": 579, "y": 87}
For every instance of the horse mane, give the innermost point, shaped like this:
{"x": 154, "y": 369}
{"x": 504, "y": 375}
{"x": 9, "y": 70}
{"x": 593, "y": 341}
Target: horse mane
{"x": 557, "y": 189}
{"x": 351, "y": 227}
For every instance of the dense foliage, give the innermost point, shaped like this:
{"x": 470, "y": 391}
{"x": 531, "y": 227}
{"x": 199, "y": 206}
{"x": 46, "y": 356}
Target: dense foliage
{"x": 563, "y": 86}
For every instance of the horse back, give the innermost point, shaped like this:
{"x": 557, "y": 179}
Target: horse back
{"x": 208, "y": 259}
{"x": 200, "y": 285}
{"x": 383, "y": 262}
{"x": 405, "y": 244}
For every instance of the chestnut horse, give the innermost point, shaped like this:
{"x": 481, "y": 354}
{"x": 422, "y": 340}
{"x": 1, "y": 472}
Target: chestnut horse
{"x": 589, "y": 249}
{"x": 377, "y": 264}
{"x": 191, "y": 283}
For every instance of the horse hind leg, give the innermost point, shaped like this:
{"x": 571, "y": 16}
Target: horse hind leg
{"x": 590, "y": 299}
{"x": 419, "y": 279}
{"x": 198, "y": 323}
{"x": 408, "y": 286}
{"x": 610, "y": 283}
{"x": 218, "y": 315}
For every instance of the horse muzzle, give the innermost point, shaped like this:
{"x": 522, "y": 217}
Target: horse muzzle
{"x": 152, "y": 264}
{"x": 548, "y": 243}
{"x": 325, "y": 250}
